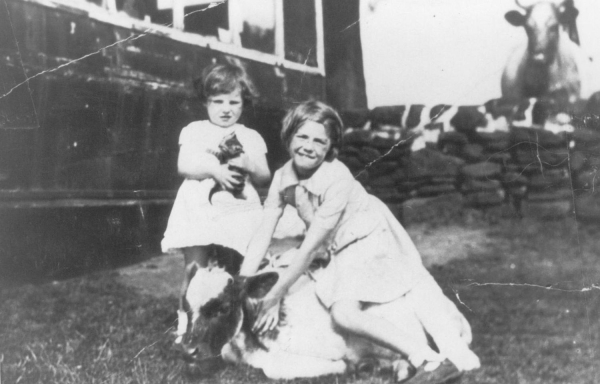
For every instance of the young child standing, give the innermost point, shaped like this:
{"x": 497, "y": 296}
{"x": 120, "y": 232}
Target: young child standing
{"x": 196, "y": 225}
{"x": 373, "y": 260}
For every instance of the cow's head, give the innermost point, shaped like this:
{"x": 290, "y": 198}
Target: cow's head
{"x": 215, "y": 307}
{"x": 543, "y": 21}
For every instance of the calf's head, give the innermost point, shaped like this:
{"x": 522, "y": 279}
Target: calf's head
{"x": 215, "y": 308}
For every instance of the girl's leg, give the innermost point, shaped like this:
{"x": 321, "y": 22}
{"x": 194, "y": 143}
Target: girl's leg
{"x": 440, "y": 319}
{"x": 348, "y": 315}
{"x": 200, "y": 255}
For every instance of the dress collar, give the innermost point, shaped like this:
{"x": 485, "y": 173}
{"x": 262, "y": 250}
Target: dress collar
{"x": 316, "y": 184}
{"x": 228, "y": 129}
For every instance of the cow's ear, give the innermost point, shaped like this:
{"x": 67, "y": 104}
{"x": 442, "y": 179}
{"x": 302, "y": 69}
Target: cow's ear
{"x": 515, "y": 18}
{"x": 567, "y": 14}
{"x": 258, "y": 286}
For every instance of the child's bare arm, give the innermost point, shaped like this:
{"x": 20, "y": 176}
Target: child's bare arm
{"x": 260, "y": 174}
{"x": 268, "y": 316}
{"x": 257, "y": 168}
{"x": 195, "y": 164}
{"x": 260, "y": 241}
{"x": 315, "y": 237}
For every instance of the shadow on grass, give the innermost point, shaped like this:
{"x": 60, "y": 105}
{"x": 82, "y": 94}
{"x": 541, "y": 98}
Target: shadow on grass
{"x": 528, "y": 297}
{"x": 93, "y": 329}
{"x": 532, "y": 301}
{"x": 41, "y": 245}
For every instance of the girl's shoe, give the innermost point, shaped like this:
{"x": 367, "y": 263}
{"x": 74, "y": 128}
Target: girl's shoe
{"x": 446, "y": 373}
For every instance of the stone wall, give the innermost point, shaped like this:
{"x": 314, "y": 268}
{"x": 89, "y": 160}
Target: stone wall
{"x": 534, "y": 157}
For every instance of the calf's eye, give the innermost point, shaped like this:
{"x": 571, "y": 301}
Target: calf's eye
{"x": 224, "y": 310}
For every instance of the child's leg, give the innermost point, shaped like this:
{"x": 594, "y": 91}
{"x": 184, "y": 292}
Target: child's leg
{"x": 348, "y": 315}
{"x": 200, "y": 255}
{"x": 439, "y": 318}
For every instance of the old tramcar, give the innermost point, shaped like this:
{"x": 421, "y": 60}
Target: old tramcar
{"x": 94, "y": 93}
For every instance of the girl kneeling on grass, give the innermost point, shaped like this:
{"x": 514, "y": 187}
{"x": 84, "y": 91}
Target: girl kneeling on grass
{"x": 373, "y": 260}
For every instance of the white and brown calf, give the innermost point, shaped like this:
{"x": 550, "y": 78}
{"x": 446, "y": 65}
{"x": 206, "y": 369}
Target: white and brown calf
{"x": 220, "y": 310}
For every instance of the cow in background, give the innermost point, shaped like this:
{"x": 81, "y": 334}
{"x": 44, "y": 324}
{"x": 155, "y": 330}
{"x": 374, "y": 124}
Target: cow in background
{"x": 551, "y": 65}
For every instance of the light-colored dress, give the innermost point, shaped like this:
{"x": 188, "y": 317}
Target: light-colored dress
{"x": 227, "y": 221}
{"x": 372, "y": 258}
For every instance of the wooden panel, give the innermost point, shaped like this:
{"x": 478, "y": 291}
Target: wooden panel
{"x": 16, "y": 156}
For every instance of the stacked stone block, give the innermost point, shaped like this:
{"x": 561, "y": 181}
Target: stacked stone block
{"x": 542, "y": 157}
{"x": 540, "y": 167}
{"x": 377, "y": 153}
{"x": 585, "y": 166}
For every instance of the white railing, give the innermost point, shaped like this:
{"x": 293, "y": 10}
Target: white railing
{"x": 108, "y": 13}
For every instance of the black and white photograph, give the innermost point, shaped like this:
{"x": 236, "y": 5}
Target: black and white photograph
{"x": 299, "y": 191}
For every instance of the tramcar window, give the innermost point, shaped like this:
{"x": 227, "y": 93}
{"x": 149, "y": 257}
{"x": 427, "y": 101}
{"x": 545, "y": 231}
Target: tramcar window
{"x": 134, "y": 8}
{"x": 258, "y": 25}
{"x": 206, "y": 20}
{"x": 145, "y": 10}
{"x": 285, "y": 29}
{"x": 300, "y": 32}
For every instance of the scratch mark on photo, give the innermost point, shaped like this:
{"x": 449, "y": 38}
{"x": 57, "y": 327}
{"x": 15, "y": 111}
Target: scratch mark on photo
{"x": 142, "y": 350}
{"x": 22, "y": 67}
{"x": 367, "y": 166}
{"x": 70, "y": 62}
{"x": 460, "y": 301}
{"x": 549, "y": 287}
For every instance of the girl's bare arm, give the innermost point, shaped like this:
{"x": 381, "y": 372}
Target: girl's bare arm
{"x": 260, "y": 242}
{"x": 197, "y": 164}
{"x": 315, "y": 237}
{"x": 259, "y": 172}
{"x": 268, "y": 315}
{"x": 257, "y": 168}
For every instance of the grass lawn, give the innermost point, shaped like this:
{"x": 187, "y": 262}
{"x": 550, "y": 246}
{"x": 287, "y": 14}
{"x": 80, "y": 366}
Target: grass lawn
{"x": 530, "y": 296}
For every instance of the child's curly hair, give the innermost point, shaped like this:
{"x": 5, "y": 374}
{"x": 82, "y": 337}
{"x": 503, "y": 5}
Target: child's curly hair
{"x": 318, "y": 112}
{"x": 218, "y": 79}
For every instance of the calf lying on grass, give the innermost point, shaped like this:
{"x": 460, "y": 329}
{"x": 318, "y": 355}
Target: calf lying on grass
{"x": 220, "y": 311}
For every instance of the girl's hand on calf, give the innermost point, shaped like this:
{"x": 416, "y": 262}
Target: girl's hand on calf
{"x": 268, "y": 315}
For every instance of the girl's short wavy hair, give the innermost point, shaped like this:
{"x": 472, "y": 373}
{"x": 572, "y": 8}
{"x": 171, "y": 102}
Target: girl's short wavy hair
{"x": 218, "y": 79}
{"x": 318, "y": 112}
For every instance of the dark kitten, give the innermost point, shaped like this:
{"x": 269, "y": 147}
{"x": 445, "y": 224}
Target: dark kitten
{"x": 229, "y": 148}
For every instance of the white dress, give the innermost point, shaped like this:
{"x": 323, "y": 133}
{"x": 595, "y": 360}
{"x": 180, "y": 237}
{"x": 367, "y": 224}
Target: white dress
{"x": 372, "y": 257}
{"x": 227, "y": 221}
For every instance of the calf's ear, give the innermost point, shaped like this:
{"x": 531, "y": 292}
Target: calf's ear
{"x": 256, "y": 287}
{"x": 190, "y": 272}
{"x": 515, "y": 18}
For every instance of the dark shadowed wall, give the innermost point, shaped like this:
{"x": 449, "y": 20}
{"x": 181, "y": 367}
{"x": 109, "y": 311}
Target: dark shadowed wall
{"x": 343, "y": 55}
